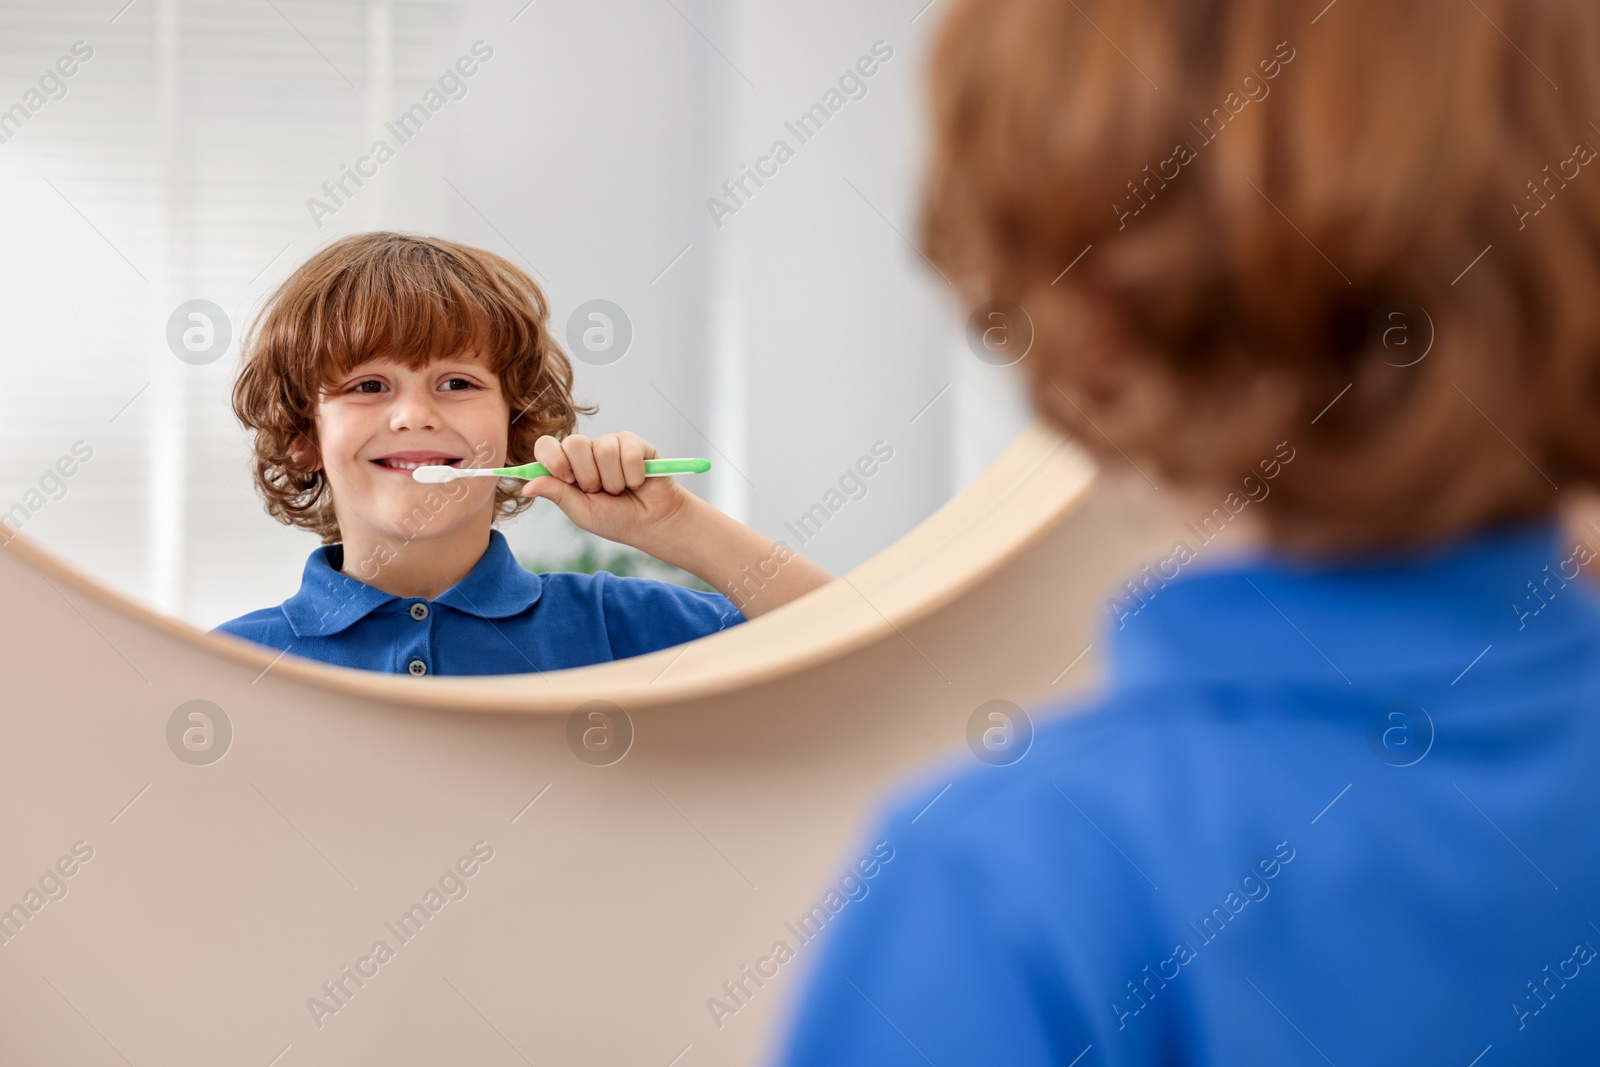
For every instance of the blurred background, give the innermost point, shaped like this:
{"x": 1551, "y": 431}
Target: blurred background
{"x": 184, "y": 158}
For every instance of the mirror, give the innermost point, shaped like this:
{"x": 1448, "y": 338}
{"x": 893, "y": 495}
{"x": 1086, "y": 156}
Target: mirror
{"x": 734, "y": 185}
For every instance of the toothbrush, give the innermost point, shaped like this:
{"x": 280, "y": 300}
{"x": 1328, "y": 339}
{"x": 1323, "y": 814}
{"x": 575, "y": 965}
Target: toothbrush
{"x": 653, "y": 468}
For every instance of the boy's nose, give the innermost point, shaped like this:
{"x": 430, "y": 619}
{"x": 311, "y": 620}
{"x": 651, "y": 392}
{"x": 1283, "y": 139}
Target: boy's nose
{"x": 414, "y": 409}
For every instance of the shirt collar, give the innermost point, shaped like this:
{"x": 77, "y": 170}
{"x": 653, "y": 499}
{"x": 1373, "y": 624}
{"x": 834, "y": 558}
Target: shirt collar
{"x": 1511, "y": 592}
{"x": 330, "y": 601}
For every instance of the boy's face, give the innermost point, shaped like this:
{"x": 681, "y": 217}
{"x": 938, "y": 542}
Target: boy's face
{"x": 383, "y": 419}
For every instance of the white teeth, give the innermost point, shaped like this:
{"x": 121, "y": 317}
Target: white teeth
{"x": 407, "y": 465}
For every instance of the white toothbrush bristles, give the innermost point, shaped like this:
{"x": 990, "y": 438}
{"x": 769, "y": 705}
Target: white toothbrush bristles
{"x": 439, "y": 474}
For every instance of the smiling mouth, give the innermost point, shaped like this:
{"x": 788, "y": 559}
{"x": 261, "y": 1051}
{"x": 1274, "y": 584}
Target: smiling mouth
{"x": 411, "y": 465}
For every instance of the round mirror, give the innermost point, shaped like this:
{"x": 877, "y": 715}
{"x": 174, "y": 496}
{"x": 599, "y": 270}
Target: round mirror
{"x": 719, "y": 204}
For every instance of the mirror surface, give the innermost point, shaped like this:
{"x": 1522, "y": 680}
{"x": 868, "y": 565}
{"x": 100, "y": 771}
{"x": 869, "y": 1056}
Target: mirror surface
{"x": 199, "y": 150}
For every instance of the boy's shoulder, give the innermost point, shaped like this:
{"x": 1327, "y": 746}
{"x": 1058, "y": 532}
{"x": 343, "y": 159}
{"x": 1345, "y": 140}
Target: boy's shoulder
{"x": 618, "y": 588}
{"x": 643, "y": 615}
{"x": 1128, "y": 756}
{"x": 264, "y": 626}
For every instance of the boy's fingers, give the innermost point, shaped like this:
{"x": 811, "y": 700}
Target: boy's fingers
{"x": 548, "y": 451}
{"x": 580, "y": 458}
{"x": 608, "y": 460}
{"x": 633, "y": 449}
{"x": 611, "y": 462}
{"x": 647, "y": 449}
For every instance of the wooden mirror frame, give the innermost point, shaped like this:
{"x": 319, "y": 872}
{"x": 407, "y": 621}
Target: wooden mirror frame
{"x": 1038, "y": 479}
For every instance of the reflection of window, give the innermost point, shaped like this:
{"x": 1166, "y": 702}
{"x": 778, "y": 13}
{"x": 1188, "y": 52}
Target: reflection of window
{"x": 175, "y": 163}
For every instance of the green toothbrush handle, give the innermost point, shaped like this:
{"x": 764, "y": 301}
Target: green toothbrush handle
{"x": 651, "y": 466}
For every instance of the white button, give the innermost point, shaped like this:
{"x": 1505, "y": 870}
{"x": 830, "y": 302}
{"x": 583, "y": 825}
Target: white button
{"x": 419, "y": 611}
{"x": 417, "y": 667}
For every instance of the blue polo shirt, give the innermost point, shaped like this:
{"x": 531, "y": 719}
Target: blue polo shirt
{"x": 500, "y": 619}
{"x": 1346, "y": 814}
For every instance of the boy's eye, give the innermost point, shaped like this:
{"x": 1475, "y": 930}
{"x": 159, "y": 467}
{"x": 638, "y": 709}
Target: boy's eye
{"x": 456, "y": 384}
{"x": 361, "y": 387}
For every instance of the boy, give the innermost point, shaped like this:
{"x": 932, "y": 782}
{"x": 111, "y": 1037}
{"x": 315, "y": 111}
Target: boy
{"x": 1337, "y": 802}
{"x": 389, "y": 351}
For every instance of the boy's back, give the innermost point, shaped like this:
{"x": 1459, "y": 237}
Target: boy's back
{"x": 1349, "y": 818}
{"x": 1344, "y": 818}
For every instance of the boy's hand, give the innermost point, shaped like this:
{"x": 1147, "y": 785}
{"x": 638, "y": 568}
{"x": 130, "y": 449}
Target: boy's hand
{"x": 599, "y": 484}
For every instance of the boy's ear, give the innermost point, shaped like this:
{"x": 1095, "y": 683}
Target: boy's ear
{"x": 305, "y": 457}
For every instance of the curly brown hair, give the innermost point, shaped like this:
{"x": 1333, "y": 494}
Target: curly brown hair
{"x": 1213, "y": 210}
{"x": 406, "y": 297}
